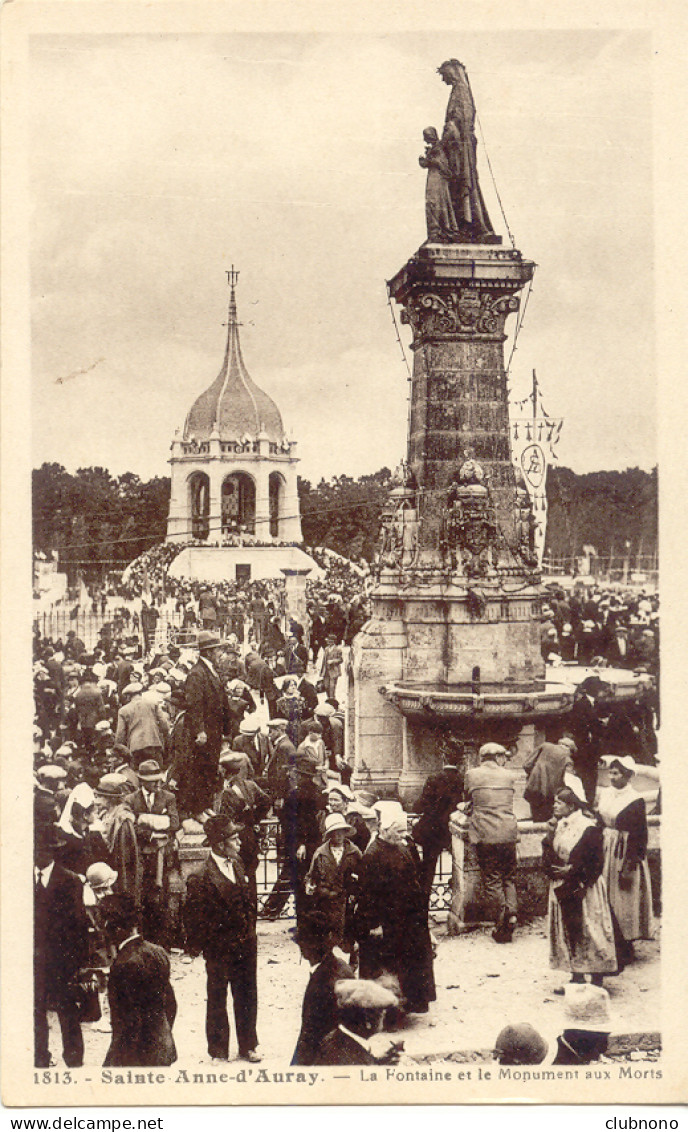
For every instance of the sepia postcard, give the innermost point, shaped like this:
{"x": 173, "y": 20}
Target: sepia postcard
{"x": 343, "y": 470}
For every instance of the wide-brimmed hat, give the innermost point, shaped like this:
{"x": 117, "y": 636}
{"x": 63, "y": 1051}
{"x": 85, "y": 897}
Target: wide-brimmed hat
{"x": 218, "y": 828}
{"x": 207, "y": 640}
{"x": 586, "y": 1007}
{"x": 100, "y": 875}
{"x": 520, "y": 1044}
{"x": 47, "y": 835}
{"x": 366, "y": 994}
{"x": 333, "y": 822}
{"x": 149, "y": 771}
{"x": 113, "y": 786}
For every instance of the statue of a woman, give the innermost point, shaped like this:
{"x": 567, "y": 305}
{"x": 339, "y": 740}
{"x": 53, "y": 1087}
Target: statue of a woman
{"x": 439, "y": 210}
{"x": 459, "y": 142}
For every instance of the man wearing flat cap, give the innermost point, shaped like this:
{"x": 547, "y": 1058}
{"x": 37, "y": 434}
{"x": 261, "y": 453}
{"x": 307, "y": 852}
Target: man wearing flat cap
{"x": 220, "y": 922}
{"x": 492, "y": 829}
{"x": 157, "y": 821}
{"x": 206, "y": 721}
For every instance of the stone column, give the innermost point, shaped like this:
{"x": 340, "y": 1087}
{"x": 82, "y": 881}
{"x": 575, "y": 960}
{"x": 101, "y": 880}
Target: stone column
{"x": 179, "y": 519}
{"x": 261, "y": 470}
{"x": 290, "y": 526}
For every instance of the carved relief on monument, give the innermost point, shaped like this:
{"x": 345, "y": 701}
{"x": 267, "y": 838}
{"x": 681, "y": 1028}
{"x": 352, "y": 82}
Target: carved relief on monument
{"x": 469, "y": 311}
{"x": 399, "y": 528}
{"x": 469, "y": 537}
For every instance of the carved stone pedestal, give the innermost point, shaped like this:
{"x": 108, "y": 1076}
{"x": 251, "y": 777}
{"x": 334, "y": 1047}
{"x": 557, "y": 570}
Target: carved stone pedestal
{"x": 451, "y": 657}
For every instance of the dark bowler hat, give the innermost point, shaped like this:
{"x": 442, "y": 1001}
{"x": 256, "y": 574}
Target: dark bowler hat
{"x": 520, "y": 1044}
{"x": 219, "y": 828}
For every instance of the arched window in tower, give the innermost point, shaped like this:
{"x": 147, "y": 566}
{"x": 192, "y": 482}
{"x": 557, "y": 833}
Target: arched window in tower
{"x": 276, "y": 498}
{"x": 238, "y": 504}
{"x": 199, "y": 505}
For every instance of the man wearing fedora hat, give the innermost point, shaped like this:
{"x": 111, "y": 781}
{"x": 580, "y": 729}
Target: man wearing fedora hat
{"x": 157, "y": 821}
{"x": 220, "y": 922}
{"x": 60, "y": 948}
{"x": 206, "y": 720}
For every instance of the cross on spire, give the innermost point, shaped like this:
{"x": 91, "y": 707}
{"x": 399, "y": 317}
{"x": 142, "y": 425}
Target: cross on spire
{"x": 232, "y": 277}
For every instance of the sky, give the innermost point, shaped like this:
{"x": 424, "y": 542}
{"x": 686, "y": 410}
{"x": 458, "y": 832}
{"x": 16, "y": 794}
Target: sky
{"x": 157, "y": 162}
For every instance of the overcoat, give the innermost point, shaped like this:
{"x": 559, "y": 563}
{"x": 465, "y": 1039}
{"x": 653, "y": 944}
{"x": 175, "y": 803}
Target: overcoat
{"x": 142, "y": 1006}
{"x": 391, "y": 898}
{"x": 319, "y": 1013}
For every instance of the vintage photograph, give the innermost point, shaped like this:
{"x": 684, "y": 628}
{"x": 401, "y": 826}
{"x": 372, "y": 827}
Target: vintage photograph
{"x": 345, "y": 615}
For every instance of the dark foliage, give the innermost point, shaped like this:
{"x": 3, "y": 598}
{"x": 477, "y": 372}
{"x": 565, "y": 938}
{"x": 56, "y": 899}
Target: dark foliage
{"x": 93, "y": 517}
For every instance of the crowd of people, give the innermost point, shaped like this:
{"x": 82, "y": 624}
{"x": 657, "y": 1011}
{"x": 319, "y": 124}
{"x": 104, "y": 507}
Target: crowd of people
{"x": 133, "y": 750}
{"x": 600, "y": 627}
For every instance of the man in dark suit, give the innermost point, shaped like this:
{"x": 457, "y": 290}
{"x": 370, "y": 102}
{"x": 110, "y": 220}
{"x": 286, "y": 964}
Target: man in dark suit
{"x": 261, "y": 678}
{"x": 300, "y": 837}
{"x": 585, "y": 725}
{"x": 440, "y": 797}
{"x": 142, "y": 1003}
{"x": 319, "y": 1014}
{"x": 220, "y": 922}
{"x": 60, "y": 948}
{"x": 157, "y": 821}
{"x": 254, "y": 744}
{"x": 281, "y": 760}
{"x": 207, "y": 720}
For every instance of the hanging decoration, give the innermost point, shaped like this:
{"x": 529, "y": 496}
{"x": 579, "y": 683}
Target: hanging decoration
{"x": 534, "y": 439}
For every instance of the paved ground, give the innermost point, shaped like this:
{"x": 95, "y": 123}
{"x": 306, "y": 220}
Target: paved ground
{"x": 480, "y": 987}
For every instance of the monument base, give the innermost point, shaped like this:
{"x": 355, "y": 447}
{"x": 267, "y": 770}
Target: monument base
{"x": 241, "y": 563}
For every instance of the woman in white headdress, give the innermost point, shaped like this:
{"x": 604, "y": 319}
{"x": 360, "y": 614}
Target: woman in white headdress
{"x": 626, "y": 871}
{"x": 81, "y": 844}
{"x": 581, "y": 929}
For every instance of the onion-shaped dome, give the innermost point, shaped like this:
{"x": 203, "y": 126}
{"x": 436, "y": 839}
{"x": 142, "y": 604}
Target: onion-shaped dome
{"x": 234, "y": 407}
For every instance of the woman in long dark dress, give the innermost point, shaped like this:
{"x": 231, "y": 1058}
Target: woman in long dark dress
{"x": 391, "y": 918}
{"x": 626, "y": 871}
{"x": 581, "y": 929}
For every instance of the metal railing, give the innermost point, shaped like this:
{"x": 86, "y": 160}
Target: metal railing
{"x": 268, "y": 868}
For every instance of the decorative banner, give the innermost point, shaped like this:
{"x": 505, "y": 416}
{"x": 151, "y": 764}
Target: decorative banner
{"x": 533, "y": 443}
{"x": 532, "y": 460}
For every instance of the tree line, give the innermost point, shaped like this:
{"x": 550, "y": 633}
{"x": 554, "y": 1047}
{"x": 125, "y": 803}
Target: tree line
{"x": 93, "y": 517}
